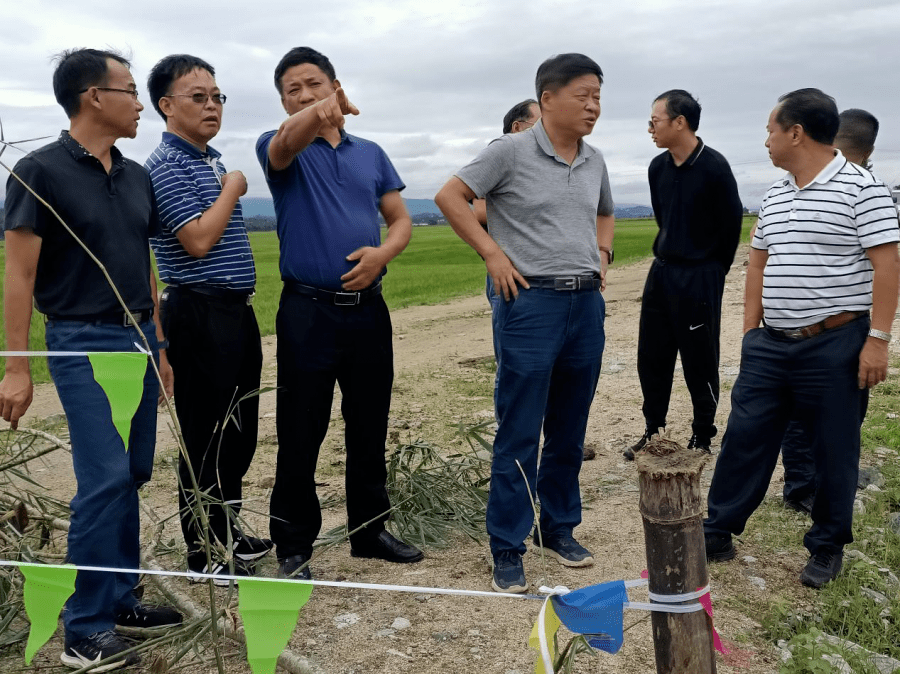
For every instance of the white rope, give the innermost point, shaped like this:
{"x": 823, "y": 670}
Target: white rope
{"x": 559, "y": 590}
{"x": 675, "y": 598}
{"x": 9, "y": 354}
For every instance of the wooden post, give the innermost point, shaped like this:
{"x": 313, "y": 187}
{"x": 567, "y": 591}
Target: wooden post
{"x": 672, "y": 508}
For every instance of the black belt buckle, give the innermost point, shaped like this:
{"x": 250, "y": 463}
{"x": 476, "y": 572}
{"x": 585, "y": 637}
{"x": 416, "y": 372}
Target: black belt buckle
{"x": 343, "y": 299}
{"x": 567, "y": 283}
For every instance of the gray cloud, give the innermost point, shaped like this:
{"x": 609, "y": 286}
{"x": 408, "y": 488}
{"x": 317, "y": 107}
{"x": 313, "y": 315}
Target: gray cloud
{"x": 433, "y": 81}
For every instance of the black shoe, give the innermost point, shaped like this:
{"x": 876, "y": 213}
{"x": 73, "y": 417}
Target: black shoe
{"x": 287, "y": 567}
{"x": 509, "y": 574}
{"x": 803, "y": 506}
{"x": 700, "y": 444}
{"x": 639, "y": 445}
{"x": 389, "y": 549}
{"x": 566, "y": 550}
{"x": 141, "y": 618}
{"x": 97, "y": 647}
{"x": 220, "y": 571}
{"x": 719, "y": 547}
{"x": 250, "y": 548}
{"x": 822, "y": 567}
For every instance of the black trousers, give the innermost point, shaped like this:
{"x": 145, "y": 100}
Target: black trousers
{"x": 681, "y": 312}
{"x": 216, "y": 357}
{"x": 814, "y": 381}
{"x": 320, "y": 344}
{"x": 797, "y": 457}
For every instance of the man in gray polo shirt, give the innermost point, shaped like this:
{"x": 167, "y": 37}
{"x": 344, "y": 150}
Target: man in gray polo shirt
{"x": 549, "y": 240}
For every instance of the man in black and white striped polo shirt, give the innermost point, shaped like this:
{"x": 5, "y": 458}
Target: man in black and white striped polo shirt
{"x": 856, "y": 141}
{"x": 824, "y": 255}
{"x": 204, "y": 255}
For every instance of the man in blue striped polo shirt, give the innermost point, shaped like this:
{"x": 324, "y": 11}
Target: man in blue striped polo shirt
{"x": 824, "y": 254}
{"x": 214, "y": 346}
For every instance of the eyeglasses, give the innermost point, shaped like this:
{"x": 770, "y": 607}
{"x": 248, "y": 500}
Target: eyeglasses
{"x": 653, "y": 122}
{"x": 200, "y": 98}
{"x": 131, "y": 92}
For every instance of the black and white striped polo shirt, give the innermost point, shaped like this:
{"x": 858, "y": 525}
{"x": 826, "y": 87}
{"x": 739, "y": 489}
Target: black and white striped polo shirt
{"x": 816, "y": 238}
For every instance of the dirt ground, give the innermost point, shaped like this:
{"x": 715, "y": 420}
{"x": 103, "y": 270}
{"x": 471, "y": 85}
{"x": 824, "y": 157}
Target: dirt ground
{"x": 441, "y": 379}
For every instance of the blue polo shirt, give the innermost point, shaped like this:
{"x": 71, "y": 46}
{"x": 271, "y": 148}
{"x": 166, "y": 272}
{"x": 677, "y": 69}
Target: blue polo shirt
{"x": 326, "y": 203}
{"x": 187, "y": 182}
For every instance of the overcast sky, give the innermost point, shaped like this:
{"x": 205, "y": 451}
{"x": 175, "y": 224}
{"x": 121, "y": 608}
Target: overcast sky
{"x": 433, "y": 79}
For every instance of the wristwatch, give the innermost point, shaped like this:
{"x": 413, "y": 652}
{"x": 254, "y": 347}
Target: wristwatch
{"x": 880, "y": 334}
{"x": 610, "y": 253}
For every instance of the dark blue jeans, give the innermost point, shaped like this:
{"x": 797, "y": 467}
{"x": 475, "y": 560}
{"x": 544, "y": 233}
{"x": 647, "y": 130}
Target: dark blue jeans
{"x": 550, "y": 347}
{"x": 815, "y": 381}
{"x": 105, "y": 523}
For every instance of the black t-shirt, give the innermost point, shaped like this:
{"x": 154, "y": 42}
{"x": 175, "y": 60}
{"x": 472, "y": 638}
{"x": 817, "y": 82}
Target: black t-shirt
{"x": 697, "y": 208}
{"x": 113, "y": 213}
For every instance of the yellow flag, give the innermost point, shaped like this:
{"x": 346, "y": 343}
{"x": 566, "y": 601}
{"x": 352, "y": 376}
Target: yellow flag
{"x": 545, "y": 626}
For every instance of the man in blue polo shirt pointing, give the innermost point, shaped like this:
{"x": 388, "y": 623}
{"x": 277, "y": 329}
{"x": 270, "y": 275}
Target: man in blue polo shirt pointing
{"x": 332, "y": 323}
{"x": 204, "y": 255}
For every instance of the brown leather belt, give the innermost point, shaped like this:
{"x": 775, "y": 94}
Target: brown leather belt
{"x": 830, "y": 323}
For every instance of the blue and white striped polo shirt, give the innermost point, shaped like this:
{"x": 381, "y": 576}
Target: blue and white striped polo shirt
{"x": 187, "y": 182}
{"x": 816, "y": 238}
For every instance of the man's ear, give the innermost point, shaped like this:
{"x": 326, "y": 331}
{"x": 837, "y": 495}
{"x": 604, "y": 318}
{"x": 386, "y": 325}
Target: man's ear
{"x": 166, "y": 104}
{"x": 336, "y": 83}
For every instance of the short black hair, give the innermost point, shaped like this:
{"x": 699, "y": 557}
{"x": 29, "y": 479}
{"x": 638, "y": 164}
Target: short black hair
{"x": 80, "y": 69}
{"x": 812, "y": 109}
{"x": 169, "y": 69}
{"x": 858, "y": 129}
{"x": 298, "y": 56}
{"x": 679, "y": 103}
{"x": 557, "y": 71}
{"x": 520, "y": 112}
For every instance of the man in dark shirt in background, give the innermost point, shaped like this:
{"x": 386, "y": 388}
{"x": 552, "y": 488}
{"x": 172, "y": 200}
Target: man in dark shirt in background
{"x": 698, "y": 210}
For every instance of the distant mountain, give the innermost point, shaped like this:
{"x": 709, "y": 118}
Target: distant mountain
{"x": 257, "y": 206}
{"x": 261, "y": 206}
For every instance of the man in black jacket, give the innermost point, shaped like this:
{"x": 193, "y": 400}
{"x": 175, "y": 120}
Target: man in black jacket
{"x": 698, "y": 210}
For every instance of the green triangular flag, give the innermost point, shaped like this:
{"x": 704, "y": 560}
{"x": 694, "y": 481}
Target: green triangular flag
{"x": 121, "y": 376}
{"x": 46, "y": 590}
{"x": 269, "y": 611}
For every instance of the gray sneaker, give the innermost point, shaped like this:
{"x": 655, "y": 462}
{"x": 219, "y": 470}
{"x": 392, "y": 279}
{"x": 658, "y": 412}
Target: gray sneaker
{"x": 566, "y": 550}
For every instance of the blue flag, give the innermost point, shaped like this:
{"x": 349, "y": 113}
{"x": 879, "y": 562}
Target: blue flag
{"x": 595, "y": 612}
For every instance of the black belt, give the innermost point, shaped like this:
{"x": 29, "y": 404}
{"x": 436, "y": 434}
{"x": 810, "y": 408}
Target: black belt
{"x": 830, "y": 323}
{"x": 339, "y": 298}
{"x": 225, "y": 294}
{"x": 111, "y": 317}
{"x": 589, "y": 282}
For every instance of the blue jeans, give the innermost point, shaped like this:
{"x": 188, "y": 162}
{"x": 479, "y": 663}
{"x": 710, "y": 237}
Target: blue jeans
{"x": 815, "y": 382}
{"x": 105, "y": 524}
{"x": 551, "y": 346}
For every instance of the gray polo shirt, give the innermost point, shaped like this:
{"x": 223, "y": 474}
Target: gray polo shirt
{"x": 541, "y": 211}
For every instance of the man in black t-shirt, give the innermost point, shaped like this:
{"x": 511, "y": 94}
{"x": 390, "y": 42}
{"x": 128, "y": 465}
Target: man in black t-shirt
{"x": 108, "y": 203}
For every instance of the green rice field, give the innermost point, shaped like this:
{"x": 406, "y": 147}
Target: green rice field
{"x": 436, "y": 266}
